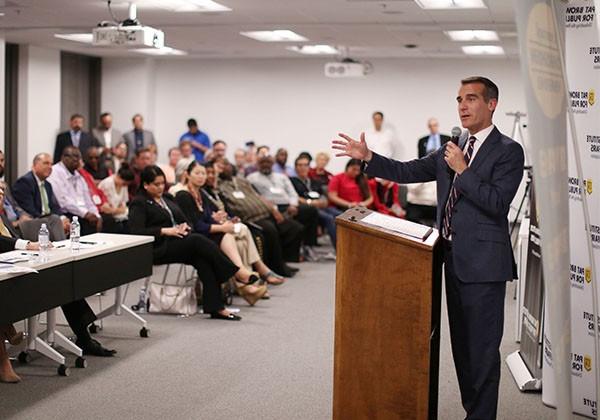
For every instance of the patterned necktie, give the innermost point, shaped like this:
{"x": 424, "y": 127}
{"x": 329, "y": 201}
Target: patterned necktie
{"x": 453, "y": 197}
{"x": 44, "y": 197}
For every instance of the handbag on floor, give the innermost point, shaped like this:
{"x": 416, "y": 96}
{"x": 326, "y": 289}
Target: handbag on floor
{"x": 177, "y": 299}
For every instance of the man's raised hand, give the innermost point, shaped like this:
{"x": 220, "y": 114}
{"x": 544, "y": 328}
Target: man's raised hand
{"x": 346, "y": 146}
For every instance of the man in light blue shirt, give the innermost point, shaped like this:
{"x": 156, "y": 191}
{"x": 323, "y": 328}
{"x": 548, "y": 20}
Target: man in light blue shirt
{"x": 433, "y": 141}
{"x": 199, "y": 140}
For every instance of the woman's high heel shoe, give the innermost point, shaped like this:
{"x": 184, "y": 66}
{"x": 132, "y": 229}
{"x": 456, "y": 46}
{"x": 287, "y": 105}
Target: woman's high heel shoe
{"x": 11, "y": 335}
{"x": 251, "y": 297}
{"x": 253, "y": 278}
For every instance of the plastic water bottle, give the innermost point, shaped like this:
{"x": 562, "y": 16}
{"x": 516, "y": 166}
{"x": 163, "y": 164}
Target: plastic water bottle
{"x": 44, "y": 241}
{"x": 74, "y": 236}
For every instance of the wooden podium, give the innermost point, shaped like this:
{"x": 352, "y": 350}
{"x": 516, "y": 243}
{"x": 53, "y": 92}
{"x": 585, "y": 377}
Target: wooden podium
{"x": 387, "y": 322}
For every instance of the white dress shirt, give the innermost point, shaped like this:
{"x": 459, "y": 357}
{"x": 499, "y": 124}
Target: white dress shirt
{"x": 481, "y": 136}
{"x": 71, "y": 191}
{"x": 381, "y": 142}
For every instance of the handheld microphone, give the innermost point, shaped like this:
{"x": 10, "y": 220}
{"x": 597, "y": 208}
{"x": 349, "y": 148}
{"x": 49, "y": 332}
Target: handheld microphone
{"x": 456, "y": 132}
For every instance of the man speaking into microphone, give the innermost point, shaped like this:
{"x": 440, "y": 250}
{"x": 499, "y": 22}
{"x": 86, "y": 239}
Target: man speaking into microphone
{"x": 477, "y": 179}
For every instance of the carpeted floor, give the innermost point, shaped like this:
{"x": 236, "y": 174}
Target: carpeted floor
{"x": 275, "y": 364}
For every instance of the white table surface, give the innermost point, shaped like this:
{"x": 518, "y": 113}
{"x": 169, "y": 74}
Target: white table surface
{"x": 107, "y": 242}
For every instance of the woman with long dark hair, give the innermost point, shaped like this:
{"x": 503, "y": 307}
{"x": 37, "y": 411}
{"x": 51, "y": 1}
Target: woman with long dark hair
{"x": 350, "y": 188}
{"x": 154, "y": 213}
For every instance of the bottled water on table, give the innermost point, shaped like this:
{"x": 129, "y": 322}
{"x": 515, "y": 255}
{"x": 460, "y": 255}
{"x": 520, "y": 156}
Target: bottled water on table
{"x": 44, "y": 241}
{"x": 74, "y": 235}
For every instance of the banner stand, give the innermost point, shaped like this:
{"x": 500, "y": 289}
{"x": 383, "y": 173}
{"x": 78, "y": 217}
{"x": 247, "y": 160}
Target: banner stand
{"x": 520, "y": 373}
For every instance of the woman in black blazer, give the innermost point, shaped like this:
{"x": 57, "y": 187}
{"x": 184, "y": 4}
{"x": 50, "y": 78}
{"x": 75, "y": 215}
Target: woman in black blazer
{"x": 156, "y": 214}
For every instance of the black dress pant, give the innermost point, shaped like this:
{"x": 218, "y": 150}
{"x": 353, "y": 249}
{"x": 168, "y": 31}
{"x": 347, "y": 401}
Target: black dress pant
{"x": 282, "y": 242}
{"x": 476, "y": 319}
{"x": 308, "y": 217}
{"x": 213, "y": 267}
{"x": 79, "y": 315}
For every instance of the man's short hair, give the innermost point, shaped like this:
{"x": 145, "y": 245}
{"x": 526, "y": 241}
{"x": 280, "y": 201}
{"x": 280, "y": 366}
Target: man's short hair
{"x": 70, "y": 150}
{"x": 301, "y": 157}
{"x": 40, "y": 156}
{"x": 490, "y": 90}
{"x": 171, "y": 150}
{"x": 378, "y": 113}
{"x": 192, "y": 123}
{"x": 75, "y": 116}
{"x": 104, "y": 114}
{"x": 185, "y": 143}
{"x": 219, "y": 142}
{"x": 136, "y": 116}
{"x": 139, "y": 152}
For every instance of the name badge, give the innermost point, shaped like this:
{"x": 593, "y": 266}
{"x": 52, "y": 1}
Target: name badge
{"x": 313, "y": 194}
{"x": 239, "y": 195}
{"x": 96, "y": 199}
{"x": 275, "y": 190}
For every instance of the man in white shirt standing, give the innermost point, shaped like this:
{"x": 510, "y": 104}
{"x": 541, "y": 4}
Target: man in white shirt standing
{"x": 106, "y": 134}
{"x": 382, "y": 139}
{"x": 72, "y": 193}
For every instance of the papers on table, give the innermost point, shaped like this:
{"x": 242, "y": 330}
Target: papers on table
{"x": 66, "y": 244}
{"x": 404, "y": 227}
{"x": 7, "y": 268}
{"x": 17, "y": 256}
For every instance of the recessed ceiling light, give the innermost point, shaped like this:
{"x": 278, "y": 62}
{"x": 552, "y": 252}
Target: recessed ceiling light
{"x": 483, "y": 50}
{"x": 451, "y": 4}
{"x": 1, "y": 14}
{"x": 161, "y": 51}
{"x": 314, "y": 49}
{"x": 475, "y": 35}
{"x": 184, "y": 5}
{"x": 278, "y": 35}
{"x": 86, "y": 38}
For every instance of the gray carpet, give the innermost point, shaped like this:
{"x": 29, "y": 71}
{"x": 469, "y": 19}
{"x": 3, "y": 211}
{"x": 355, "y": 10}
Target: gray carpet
{"x": 275, "y": 364}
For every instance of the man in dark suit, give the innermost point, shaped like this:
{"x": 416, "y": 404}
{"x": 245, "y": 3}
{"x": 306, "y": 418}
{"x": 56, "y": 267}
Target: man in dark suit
{"x": 476, "y": 182}
{"x": 74, "y": 137}
{"x": 34, "y": 194}
{"x": 433, "y": 141}
{"x": 138, "y": 138}
{"x": 78, "y": 313}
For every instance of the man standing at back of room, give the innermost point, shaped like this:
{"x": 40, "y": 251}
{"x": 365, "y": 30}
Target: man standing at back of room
{"x": 199, "y": 140}
{"x": 138, "y": 138}
{"x": 382, "y": 138}
{"x": 476, "y": 182}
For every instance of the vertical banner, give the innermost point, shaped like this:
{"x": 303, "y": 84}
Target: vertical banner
{"x": 582, "y": 51}
{"x": 541, "y": 67}
{"x": 531, "y": 332}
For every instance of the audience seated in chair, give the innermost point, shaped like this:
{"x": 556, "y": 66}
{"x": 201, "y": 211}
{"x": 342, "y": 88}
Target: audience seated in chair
{"x": 277, "y": 189}
{"x": 115, "y": 189}
{"x": 94, "y": 164}
{"x": 319, "y": 173}
{"x": 154, "y": 213}
{"x": 350, "y": 188}
{"x": 385, "y": 197}
{"x": 142, "y": 159}
{"x": 72, "y": 192}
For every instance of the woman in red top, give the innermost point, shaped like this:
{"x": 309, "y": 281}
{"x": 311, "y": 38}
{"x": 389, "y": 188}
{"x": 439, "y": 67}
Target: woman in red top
{"x": 350, "y": 188}
{"x": 319, "y": 173}
{"x": 385, "y": 197}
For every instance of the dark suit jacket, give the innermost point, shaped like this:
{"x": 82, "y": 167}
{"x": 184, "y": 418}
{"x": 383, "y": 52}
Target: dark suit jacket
{"x": 86, "y": 140}
{"x": 147, "y": 217}
{"x": 422, "y": 144}
{"x": 27, "y": 194}
{"x": 481, "y": 247}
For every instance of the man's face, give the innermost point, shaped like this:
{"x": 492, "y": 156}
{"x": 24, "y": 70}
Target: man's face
{"x": 474, "y": 112}
{"x": 43, "y": 167}
{"x": 174, "y": 157}
{"x": 265, "y": 165}
{"x": 93, "y": 158}
{"x": 106, "y": 122}
{"x": 281, "y": 157}
{"x": 302, "y": 167}
{"x": 240, "y": 158}
{"x": 377, "y": 121}
{"x": 219, "y": 150}
{"x": 186, "y": 150}
{"x": 144, "y": 159}
{"x": 138, "y": 123}
{"x": 434, "y": 126}
{"x": 76, "y": 124}
{"x": 193, "y": 129}
{"x": 71, "y": 159}
{"x": 120, "y": 150}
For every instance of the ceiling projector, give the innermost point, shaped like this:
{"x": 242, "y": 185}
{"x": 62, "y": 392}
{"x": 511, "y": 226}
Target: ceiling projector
{"x": 348, "y": 68}
{"x": 129, "y": 33}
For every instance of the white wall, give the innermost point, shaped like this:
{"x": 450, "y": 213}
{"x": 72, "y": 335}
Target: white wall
{"x": 290, "y": 103}
{"x": 39, "y": 102}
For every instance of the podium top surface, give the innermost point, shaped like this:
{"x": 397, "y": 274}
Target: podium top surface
{"x": 402, "y": 231}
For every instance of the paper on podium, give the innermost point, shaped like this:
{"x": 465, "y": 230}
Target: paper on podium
{"x": 404, "y": 227}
